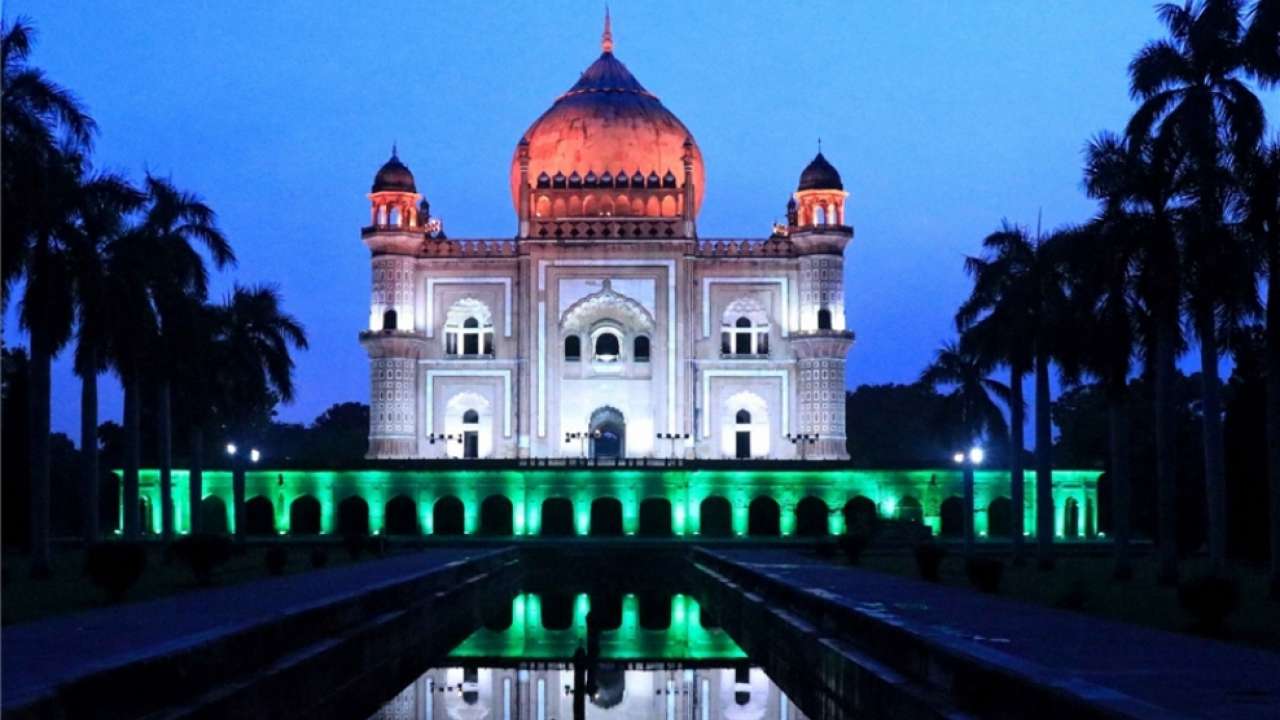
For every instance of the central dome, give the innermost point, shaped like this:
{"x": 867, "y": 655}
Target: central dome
{"x": 607, "y": 122}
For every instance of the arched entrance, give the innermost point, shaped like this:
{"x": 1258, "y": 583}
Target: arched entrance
{"x": 557, "y": 516}
{"x": 655, "y": 517}
{"x": 811, "y": 517}
{"x": 213, "y": 515}
{"x": 1071, "y": 518}
{"x": 259, "y": 516}
{"x": 608, "y": 430}
{"x": 353, "y": 516}
{"x": 304, "y": 516}
{"x": 496, "y": 516}
{"x": 400, "y": 516}
{"x": 716, "y": 517}
{"x": 1000, "y": 518}
{"x": 447, "y": 517}
{"x": 859, "y": 515}
{"x": 606, "y": 516}
{"x": 763, "y": 517}
{"x": 952, "y": 516}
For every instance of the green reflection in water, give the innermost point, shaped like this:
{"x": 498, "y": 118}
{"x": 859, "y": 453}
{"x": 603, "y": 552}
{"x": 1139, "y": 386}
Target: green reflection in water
{"x": 527, "y": 638}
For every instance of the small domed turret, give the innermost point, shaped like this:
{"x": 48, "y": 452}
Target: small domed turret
{"x": 820, "y": 175}
{"x": 394, "y": 176}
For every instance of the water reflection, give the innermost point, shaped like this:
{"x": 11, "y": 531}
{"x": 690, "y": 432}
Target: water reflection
{"x": 545, "y": 691}
{"x": 554, "y": 656}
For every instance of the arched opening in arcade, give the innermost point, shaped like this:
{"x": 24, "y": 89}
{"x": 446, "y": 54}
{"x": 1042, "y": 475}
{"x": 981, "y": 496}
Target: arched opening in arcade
{"x": 655, "y": 610}
{"x": 715, "y": 517}
{"x": 498, "y": 615}
{"x": 951, "y": 515}
{"x": 606, "y": 516}
{"x": 655, "y": 517}
{"x": 1000, "y": 518}
{"x": 1071, "y": 518}
{"x": 213, "y": 515}
{"x": 859, "y": 515}
{"x": 811, "y": 517}
{"x": 606, "y": 610}
{"x": 259, "y": 516}
{"x": 763, "y": 517}
{"x": 557, "y": 516}
{"x": 304, "y": 516}
{"x": 557, "y": 610}
{"x": 447, "y": 516}
{"x": 909, "y": 510}
{"x": 608, "y": 432}
{"x": 400, "y": 517}
{"x": 353, "y": 516}
{"x": 496, "y": 516}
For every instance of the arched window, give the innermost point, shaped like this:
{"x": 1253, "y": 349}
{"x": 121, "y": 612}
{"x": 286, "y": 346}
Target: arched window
{"x": 544, "y": 180}
{"x": 471, "y": 338}
{"x": 470, "y": 434}
{"x": 743, "y": 417}
{"x": 824, "y": 319}
{"x": 641, "y": 349}
{"x": 389, "y": 320}
{"x": 744, "y": 338}
{"x": 607, "y": 348}
{"x": 573, "y": 348}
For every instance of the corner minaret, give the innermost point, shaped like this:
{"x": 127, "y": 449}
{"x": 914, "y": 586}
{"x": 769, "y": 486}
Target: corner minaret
{"x": 817, "y": 228}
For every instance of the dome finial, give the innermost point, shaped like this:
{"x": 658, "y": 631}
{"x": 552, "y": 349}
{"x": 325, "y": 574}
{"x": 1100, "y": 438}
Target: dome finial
{"x": 393, "y": 148}
{"x": 606, "y": 40}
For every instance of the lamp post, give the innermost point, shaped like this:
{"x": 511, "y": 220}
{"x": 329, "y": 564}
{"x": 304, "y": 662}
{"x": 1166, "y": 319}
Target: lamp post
{"x": 238, "y": 484}
{"x": 673, "y": 437}
{"x": 801, "y": 439}
{"x": 581, "y": 437}
{"x": 967, "y": 462}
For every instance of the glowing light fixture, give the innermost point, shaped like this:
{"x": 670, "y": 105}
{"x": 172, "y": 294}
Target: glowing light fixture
{"x": 254, "y": 455}
{"x": 976, "y": 455}
{"x": 231, "y": 448}
{"x": 959, "y": 458}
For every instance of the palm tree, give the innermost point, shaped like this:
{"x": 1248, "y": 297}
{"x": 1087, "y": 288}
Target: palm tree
{"x": 254, "y": 363}
{"x": 42, "y": 126}
{"x": 195, "y": 375}
{"x": 105, "y": 202}
{"x": 996, "y": 324}
{"x": 174, "y": 222}
{"x": 1260, "y": 182}
{"x": 969, "y": 408}
{"x": 1193, "y": 97}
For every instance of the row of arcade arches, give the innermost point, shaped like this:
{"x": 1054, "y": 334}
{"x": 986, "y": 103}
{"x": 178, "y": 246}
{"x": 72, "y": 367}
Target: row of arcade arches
{"x": 558, "y": 518}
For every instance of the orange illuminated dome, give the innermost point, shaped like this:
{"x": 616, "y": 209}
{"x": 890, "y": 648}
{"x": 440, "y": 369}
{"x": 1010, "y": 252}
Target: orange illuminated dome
{"x": 613, "y": 142}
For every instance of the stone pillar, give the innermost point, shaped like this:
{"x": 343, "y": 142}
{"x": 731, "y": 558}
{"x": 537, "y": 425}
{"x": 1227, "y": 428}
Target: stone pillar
{"x": 393, "y": 392}
{"x": 820, "y": 389}
{"x": 392, "y": 290}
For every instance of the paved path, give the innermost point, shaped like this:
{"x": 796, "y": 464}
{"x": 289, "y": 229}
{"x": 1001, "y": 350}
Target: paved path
{"x": 47, "y": 653}
{"x": 1188, "y": 675}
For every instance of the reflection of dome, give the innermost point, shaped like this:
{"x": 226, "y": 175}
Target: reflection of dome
{"x": 611, "y": 687}
{"x": 820, "y": 175}
{"x": 394, "y": 176}
{"x": 608, "y": 123}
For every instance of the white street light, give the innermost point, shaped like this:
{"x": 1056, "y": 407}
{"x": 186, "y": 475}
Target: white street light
{"x": 254, "y": 455}
{"x": 231, "y": 448}
{"x": 976, "y": 455}
{"x": 959, "y": 458}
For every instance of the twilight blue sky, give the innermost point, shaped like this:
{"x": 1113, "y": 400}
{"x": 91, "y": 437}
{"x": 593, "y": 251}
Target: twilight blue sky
{"x": 943, "y": 118}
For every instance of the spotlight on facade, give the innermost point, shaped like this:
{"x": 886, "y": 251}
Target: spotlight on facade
{"x": 231, "y": 448}
{"x": 254, "y": 455}
{"x": 958, "y": 457}
{"x": 976, "y": 455}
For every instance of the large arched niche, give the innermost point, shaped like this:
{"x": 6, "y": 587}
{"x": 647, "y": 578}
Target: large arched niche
{"x": 456, "y": 423}
{"x": 757, "y": 410}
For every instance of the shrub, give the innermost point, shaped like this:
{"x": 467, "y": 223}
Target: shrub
{"x": 984, "y": 573}
{"x": 1209, "y": 599}
{"x": 853, "y": 546}
{"x": 115, "y": 566}
{"x": 203, "y": 553}
{"x": 929, "y": 560}
{"x": 319, "y": 556}
{"x": 355, "y": 545}
{"x": 1073, "y": 598}
{"x": 277, "y": 558}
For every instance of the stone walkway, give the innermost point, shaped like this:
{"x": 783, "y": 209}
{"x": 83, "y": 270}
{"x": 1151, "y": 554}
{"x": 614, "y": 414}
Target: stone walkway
{"x": 1188, "y": 676}
{"x": 47, "y": 653}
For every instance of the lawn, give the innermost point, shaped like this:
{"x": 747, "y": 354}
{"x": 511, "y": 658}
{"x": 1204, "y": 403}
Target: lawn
{"x": 1084, "y": 584}
{"x": 68, "y": 590}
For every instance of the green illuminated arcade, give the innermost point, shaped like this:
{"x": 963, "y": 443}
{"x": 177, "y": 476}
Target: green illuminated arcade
{"x": 568, "y": 501}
